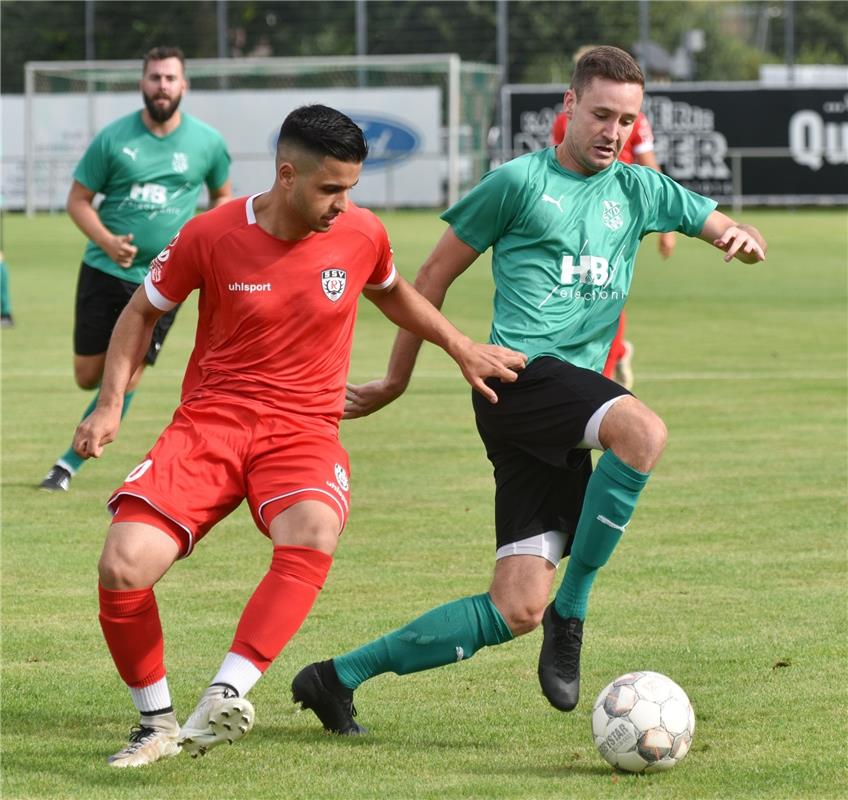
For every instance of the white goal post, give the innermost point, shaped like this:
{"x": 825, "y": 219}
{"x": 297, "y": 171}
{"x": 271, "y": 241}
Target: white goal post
{"x": 427, "y": 119}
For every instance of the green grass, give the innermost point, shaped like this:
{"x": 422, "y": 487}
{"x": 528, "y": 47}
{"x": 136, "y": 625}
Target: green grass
{"x": 731, "y": 579}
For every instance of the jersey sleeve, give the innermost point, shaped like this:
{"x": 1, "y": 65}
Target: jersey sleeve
{"x": 642, "y": 138}
{"x": 92, "y": 171}
{"x": 487, "y": 211}
{"x": 672, "y": 207}
{"x": 177, "y": 271}
{"x": 219, "y": 166}
{"x": 384, "y": 272}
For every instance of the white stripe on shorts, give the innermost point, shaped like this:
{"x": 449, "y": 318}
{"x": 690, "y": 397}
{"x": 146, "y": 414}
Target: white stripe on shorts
{"x": 549, "y": 545}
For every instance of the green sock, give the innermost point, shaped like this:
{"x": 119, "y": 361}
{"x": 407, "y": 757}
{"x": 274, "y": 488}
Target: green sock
{"x": 69, "y": 459}
{"x": 5, "y": 299}
{"x": 448, "y": 633}
{"x": 611, "y": 496}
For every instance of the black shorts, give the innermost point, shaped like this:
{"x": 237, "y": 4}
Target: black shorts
{"x": 100, "y": 300}
{"x": 531, "y": 436}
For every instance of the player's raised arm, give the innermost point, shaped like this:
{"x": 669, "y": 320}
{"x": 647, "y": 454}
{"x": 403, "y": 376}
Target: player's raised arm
{"x": 740, "y": 241}
{"x": 129, "y": 342}
{"x": 449, "y": 259}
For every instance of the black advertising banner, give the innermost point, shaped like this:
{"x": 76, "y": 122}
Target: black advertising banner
{"x": 767, "y": 145}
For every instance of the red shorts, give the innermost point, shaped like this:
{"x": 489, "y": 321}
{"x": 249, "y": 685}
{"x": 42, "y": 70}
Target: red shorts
{"x": 216, "y": 453}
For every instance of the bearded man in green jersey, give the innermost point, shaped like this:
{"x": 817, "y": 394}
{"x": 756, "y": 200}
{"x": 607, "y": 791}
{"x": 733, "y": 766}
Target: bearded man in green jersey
{"x": 564, "y": 225}
{"x": 149, "y": 166}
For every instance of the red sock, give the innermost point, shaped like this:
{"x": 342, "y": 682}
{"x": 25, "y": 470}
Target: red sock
{"x": 130, "y": 622}
{"x": 280, "y": 603}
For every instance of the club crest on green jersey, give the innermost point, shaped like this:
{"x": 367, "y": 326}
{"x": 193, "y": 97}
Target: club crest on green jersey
{"x": 179, "y": 162}
{"x": 611, "y": 215}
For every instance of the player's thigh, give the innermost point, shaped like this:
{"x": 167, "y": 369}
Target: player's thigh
{"x": 549, "y": 410}
{"x": 299, "y": 463}
{"x": 194, "y": 473}
{"x": 100, "y": 299}
{"x": 160, "y": 332}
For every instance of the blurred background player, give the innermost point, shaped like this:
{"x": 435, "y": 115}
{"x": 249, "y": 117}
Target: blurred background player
{"x": 638, "y": 149}
{"x": 6, "y": 319}
{"x": 149, "y": 166}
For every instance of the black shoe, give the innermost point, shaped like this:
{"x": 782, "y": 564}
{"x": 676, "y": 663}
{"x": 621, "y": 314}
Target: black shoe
{"x": 6, "y": 321}
{"x": 559, "y": 660}
{"x": 57, "y": 480}
{"x": 317, "y": 687}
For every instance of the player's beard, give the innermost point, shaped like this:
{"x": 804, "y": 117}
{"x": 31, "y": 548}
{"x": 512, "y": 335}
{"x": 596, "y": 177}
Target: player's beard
{"x": 163, "y": 113}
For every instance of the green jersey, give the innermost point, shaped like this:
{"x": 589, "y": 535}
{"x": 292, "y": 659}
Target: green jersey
{"x": 150, "y": 183}
{"x": 564, "y": 248}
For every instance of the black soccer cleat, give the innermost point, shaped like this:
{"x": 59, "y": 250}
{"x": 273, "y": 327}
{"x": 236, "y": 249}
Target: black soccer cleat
{"x": 559, "y": 659}
{"x": 57, "y": 480}
{"x": 317, "y": 687}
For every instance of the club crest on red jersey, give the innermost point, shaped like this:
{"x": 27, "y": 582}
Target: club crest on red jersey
{"x": 333, "y": 282}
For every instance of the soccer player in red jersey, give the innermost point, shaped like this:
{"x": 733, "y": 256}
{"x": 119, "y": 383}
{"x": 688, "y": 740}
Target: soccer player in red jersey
{"x": 279, "y": 275}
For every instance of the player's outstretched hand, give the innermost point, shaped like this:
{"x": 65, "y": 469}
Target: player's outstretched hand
{"x": 366, "y": 398}
{"x": 98, "y": 429}
{"x": 743, "y": 242}
{"x": 479, "y": 361}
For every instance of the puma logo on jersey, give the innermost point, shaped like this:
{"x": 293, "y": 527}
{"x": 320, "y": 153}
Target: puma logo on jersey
{"x": 131, "y": 153}
{"x": 558, "y": 202}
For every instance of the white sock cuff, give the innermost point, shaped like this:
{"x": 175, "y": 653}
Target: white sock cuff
{"x": 239, "y": 673}
{"x": 154, "y": 697}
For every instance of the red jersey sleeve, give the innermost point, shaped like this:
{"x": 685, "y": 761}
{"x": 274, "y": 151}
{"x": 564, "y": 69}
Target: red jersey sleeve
{"x": 642, "y": 138}
{"x": 176, "y": 272}
{"x": 384, "y": 272}
{"x": 558, "y": 128}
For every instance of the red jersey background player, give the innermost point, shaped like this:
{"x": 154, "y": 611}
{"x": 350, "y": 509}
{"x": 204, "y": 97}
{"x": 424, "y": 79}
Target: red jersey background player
{"x": 279, "y": 276}
{"x": 638, "y": 149}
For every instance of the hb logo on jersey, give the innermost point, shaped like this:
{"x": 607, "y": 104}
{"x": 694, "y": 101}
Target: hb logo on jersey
{"x": 333, "y": 283}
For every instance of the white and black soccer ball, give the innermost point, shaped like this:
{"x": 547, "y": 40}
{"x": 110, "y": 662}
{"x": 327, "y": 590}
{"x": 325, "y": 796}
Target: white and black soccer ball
{"x": 643, "y": 722}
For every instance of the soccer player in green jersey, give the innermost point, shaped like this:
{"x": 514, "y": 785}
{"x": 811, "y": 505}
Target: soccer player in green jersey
{"x": 564, "y": 225}
{"x": 149, "y": 166}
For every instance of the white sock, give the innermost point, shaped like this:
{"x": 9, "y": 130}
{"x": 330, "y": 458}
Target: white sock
{"x": 155, "y": 697}
{"x": 238, "y": 672}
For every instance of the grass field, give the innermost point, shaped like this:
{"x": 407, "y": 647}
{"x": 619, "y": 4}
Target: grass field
{"x": 731, "y": 578}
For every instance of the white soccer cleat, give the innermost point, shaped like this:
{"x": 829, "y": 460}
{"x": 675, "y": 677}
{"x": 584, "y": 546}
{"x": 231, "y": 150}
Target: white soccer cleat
{"x": 221, "y": 716}
{"x": 156, "y": 737}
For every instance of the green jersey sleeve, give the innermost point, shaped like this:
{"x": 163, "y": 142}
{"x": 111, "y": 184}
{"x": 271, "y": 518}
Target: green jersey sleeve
{"x": 219, "y": 168}
{"x": 93, "y": 169}
{"x": 489, "y": 209}
{"x": 670, "y": 206}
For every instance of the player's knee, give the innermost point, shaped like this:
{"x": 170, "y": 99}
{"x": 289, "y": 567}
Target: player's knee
{"x": 116, "y": 571}
{"x": 522, "y": 616}
{"x": 86, "y": 380}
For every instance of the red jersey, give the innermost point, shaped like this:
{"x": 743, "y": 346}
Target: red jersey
{"x": 641, "y": 139}
{"x": 275, "y": 317}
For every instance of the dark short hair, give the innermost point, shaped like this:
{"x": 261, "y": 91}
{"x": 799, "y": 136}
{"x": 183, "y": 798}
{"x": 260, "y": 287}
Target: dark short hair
{"x": 160, "y": 54}
{"x": 605, "y": 62}
{"x": 323, "y": 131}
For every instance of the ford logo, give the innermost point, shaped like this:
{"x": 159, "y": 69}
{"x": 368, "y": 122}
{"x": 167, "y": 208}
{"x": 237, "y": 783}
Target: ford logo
{"x": 389, "y": 141}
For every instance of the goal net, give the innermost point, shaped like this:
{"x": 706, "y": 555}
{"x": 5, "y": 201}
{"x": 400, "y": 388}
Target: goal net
{"x": 426, "y": 118}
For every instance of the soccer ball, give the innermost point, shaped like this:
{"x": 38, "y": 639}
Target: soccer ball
{"x": 643, "y": 722}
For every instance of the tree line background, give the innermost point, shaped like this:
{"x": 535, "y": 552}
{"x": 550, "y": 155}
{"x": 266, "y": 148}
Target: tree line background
{"x": 542, "y": 34}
